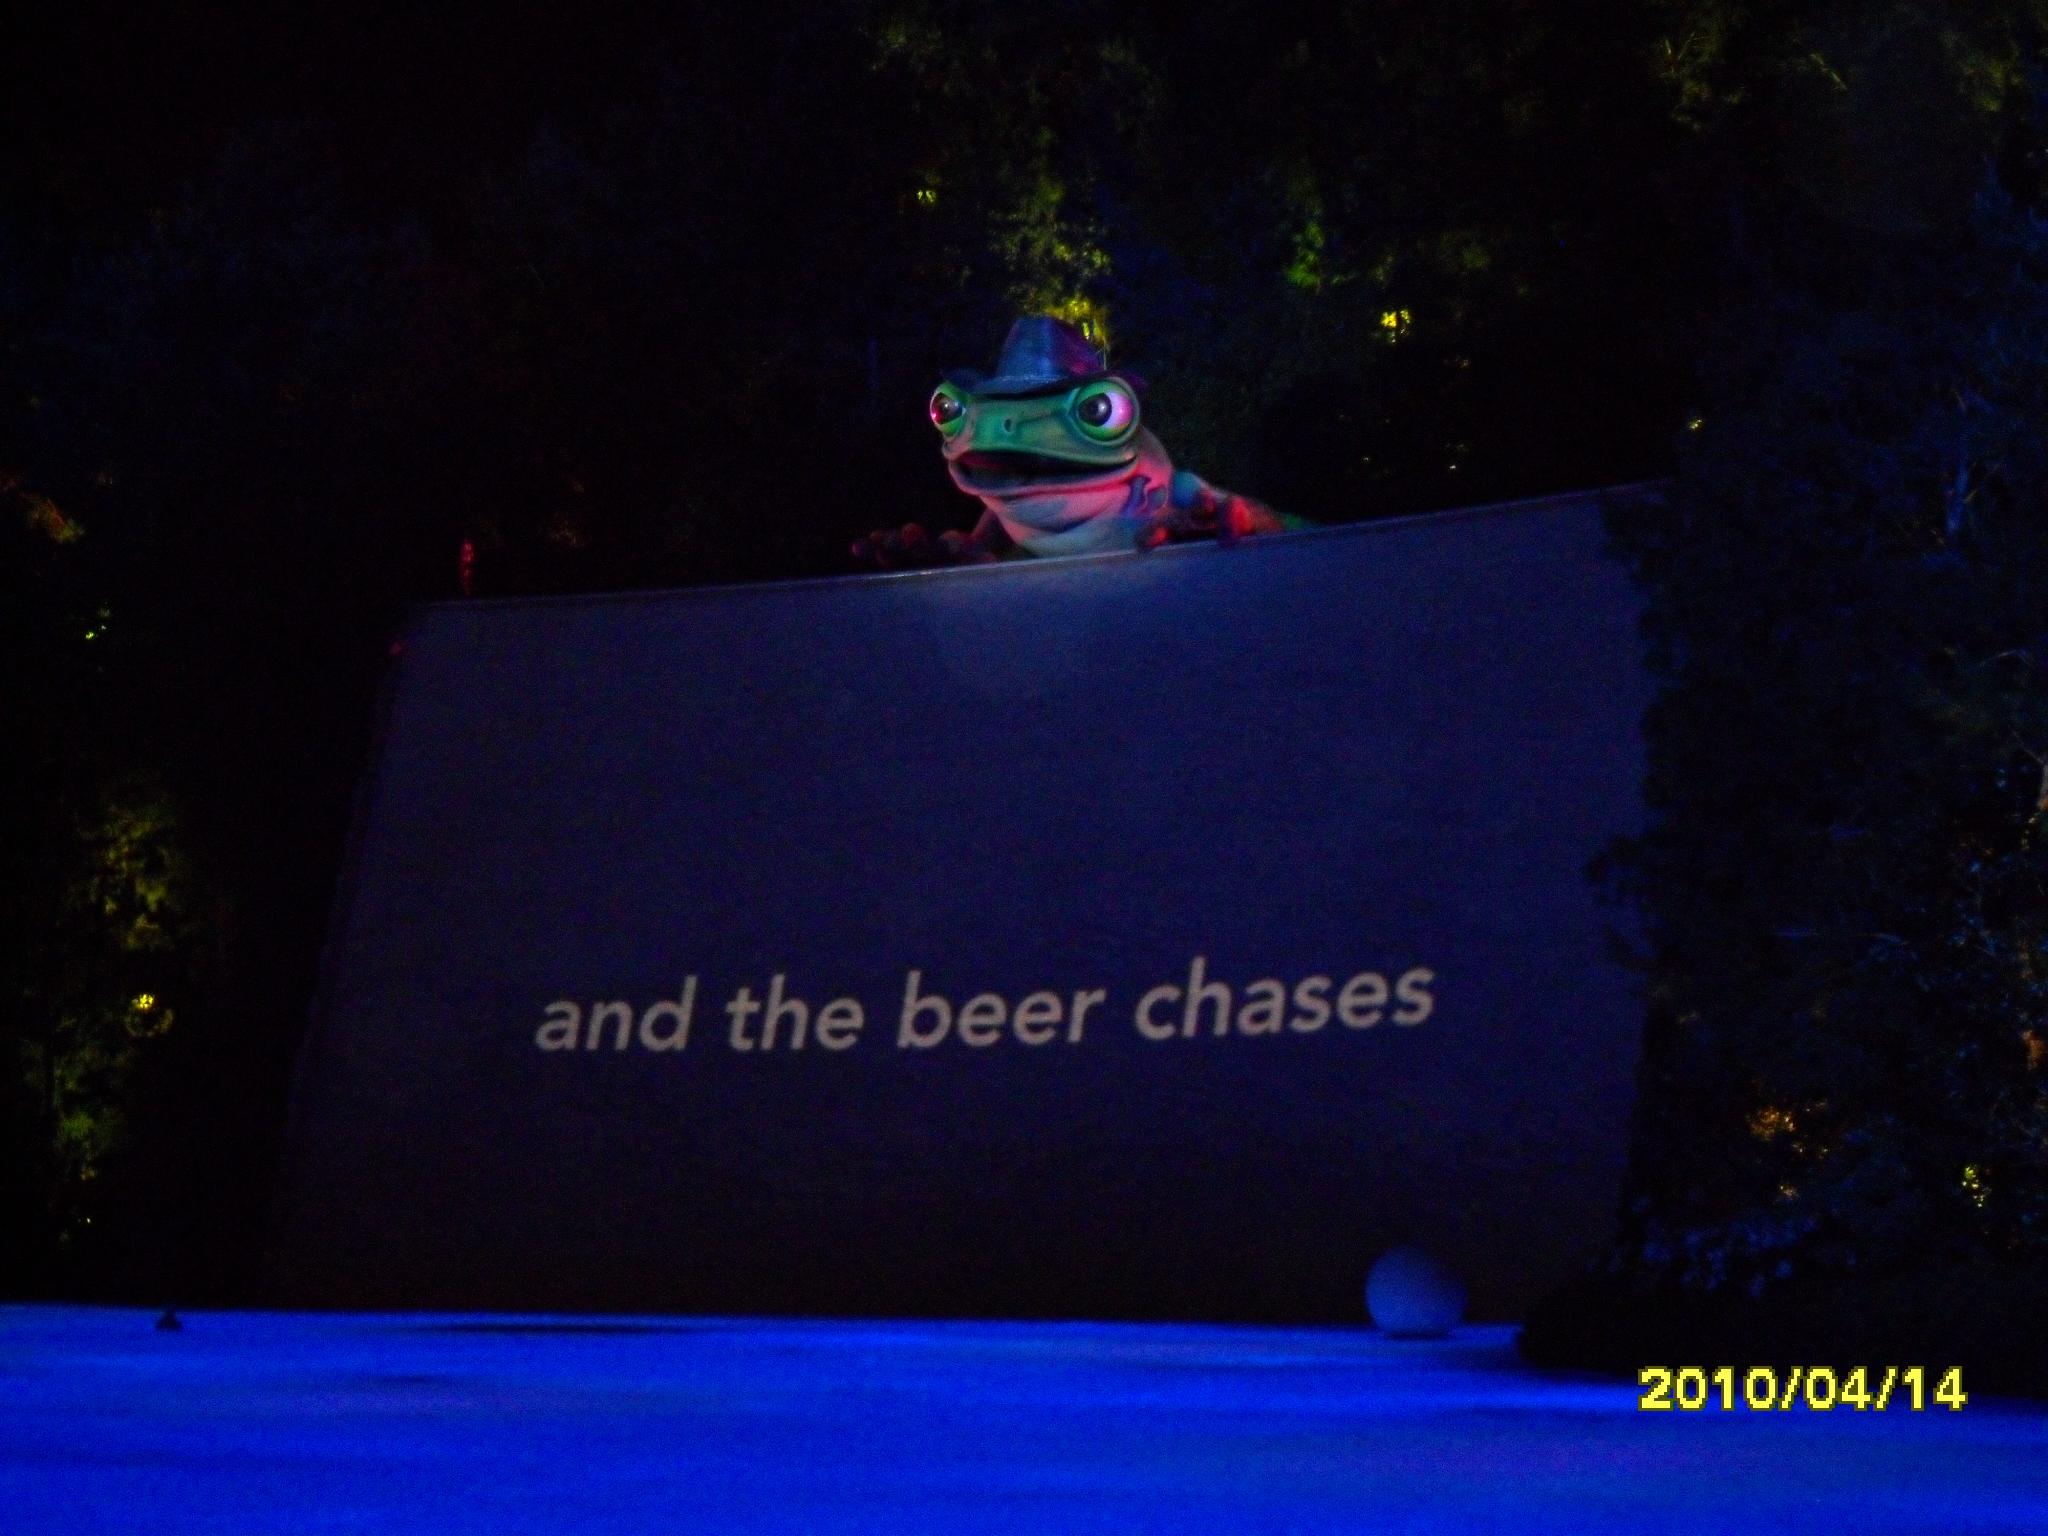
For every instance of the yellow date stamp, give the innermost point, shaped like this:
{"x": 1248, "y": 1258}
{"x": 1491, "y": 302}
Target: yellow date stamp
{"x": 1819, "y": 1389}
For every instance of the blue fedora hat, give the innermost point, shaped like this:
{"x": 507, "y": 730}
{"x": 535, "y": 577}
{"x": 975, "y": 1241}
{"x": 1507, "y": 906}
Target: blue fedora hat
{"x": 1040, "y": 356}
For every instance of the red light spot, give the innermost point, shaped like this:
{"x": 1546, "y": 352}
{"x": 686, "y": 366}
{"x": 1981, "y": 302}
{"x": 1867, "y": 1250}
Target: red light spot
{"x": 465, "y": 566}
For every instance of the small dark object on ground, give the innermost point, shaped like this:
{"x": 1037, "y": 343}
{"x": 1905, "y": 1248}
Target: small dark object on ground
{"x": 1411, "y": 1294}
{"x": 169, "y": 1322}
{"x": 1982, "y": 1318}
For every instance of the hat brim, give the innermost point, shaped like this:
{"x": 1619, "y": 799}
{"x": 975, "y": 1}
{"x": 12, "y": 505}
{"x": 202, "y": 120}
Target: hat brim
{"x": 1018, "y": 386}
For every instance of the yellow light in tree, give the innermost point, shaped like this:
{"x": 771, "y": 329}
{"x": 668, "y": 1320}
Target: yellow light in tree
{"x": 147, "y": 1017}
{"x": 1770, "y": 1122}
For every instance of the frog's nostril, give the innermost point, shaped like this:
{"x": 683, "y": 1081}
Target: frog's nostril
{"x": 1009, "y": 423}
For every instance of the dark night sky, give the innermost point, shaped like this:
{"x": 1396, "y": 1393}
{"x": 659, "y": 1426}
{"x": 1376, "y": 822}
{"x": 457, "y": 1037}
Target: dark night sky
{"x": 119, "y": 104}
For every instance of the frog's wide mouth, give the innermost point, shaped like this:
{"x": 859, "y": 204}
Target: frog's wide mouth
{"x": 1009, "y": 469}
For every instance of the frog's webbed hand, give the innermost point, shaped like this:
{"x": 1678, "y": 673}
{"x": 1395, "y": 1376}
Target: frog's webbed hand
{"x": 895, "y": 549}
{"x": 910, "y": 547}
{"x": 989, "y": 540}
{"x": 1199, "y": 510}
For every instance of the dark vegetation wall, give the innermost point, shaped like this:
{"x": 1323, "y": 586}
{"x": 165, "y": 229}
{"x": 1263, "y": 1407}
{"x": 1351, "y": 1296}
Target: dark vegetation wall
{"x": 304, "y": 317}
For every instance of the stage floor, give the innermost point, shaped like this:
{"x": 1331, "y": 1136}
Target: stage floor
{"x": 250, "y": 1422}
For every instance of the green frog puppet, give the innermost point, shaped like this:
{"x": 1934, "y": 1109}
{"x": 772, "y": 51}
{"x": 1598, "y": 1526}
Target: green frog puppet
{"x": 1052, "y": 446}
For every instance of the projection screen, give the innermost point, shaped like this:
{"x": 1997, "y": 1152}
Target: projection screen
{"x": 1155, "y": 935}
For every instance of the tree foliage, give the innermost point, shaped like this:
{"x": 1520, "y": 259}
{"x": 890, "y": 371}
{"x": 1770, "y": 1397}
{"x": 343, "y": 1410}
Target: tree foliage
{"x": 1845, "y": 879}
{"x": 1843, "y": 1115}
{"x": 1373, "y": 258}
{"x": 104, "y": 915}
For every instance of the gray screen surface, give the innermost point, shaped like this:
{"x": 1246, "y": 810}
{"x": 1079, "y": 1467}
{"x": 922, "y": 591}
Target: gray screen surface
{"x": 1149, "y": 935}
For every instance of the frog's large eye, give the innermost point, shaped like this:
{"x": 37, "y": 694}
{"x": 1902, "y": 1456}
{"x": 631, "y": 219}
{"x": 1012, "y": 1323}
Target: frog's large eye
{"x": 1106, "y": 411}
{"x": 948, "y": 410}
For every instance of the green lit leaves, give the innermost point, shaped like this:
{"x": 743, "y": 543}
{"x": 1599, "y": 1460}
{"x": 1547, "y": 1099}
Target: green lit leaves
{"x": 1308, "y": 269}
{"x": 135, "y": 876}
{"x": 1051, "y": 257}
{"x": 91, "y": 989}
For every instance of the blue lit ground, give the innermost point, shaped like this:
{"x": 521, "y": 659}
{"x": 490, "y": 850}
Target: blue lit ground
{"x": 290, "y": 1422}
